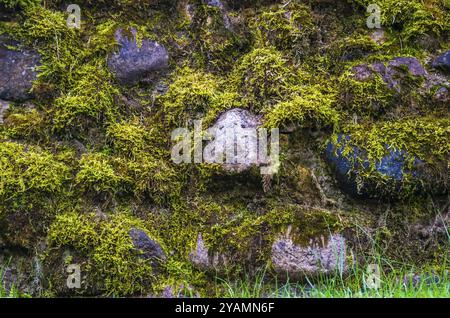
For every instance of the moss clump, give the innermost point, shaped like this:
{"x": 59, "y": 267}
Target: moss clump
{"x": 308, "y": 108}
{"x": 97, "y": 174}
{"x": 26, "y": 170}
{"x": 189, "y": 96}
{"x": 19, "y": 3}
{"x": 287, "y": 27}
{"x": 32, "y": 181}
{"x": 425, "y": 139}
{"x": 367, "y": 97}
{"x": 262, "y": 78}
{"x": 112, "y": 258}
{"x": 414, "y": 18}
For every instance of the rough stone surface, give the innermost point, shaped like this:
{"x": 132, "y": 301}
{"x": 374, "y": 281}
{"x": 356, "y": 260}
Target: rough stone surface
{"x": 204, "y": 259}
{"x": 132, "y": 62}
{"x": 150, "y": 249}
{"x": 230, "y": 133}
{"x": 18, "y": 71}
{"x": 3, "y": 107}
{"x": 442, "y": 62}
{"x": 325, "y": 256}
{"x": 391, "y": 166}
{"x": 392, "y": 72}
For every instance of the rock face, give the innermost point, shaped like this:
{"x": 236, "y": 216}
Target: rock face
{"x": 203, "y": 259}
{"x": 132, "y": 62}
{"x": 324, "y": 256}
{"x": 392, "y": 72}
{"x": 18, "y": 71}
{"x": 3, "y": 107}
{"x": 346, "y": 170}
{"x": 233, "y": 146}
{"x": 442, "y": 62}
{"x": 148, "y": 248}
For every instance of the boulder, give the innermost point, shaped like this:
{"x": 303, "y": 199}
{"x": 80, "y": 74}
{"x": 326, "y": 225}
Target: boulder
{"x": 3, "y": 107}
{"x": 442, "y": 62}
{"x": 132, "y": 63}
{"x": 148, "y": 248}
{"x": 348, "y": 169}
{"x": 204, "y": 259}
{"x": 325, "y": 255}
{"x": 232, "y": 145}
{"x": 19, "y": 70}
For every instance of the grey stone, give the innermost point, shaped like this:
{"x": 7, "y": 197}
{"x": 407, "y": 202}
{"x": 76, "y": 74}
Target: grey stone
{"x": 205, "y": 259}
{"x": 3, "y": 107}
{"x": 18, "y": 71}
{"x": 148, "y": 248}
{"x": 132, "y": 63}
{"x": 231, "y": 132}
{"x": 323, "y": 256}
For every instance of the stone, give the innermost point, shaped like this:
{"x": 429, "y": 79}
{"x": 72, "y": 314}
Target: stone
{"x": 392, "y": 72}
{"x": 19, "y": 71}
{"x": 204, "y": 259}
{"x": 230, "y": 132}
{"x": 442, "y": 62}
{"x": 322, "y": 256}
{"x": 148, "y": 248}
{"x": 132, "y": 63}
{"x": 391, "y": 166}
{"x": 4, "y": 106}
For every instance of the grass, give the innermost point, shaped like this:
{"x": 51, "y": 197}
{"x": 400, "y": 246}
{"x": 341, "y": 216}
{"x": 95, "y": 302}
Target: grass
{"x": 398, "y": 283}
{"x": 395, "y": 280}
{"x": 7, "y": 291}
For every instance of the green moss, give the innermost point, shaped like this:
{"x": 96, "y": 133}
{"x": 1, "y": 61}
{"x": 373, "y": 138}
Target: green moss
{"x": 97, "y": 174}
{"x": 414, "y": 18}
{"x": 368, "y": 97}
{"x": 309, "y": 107}
{"x": 424, "y": 138}
{"x": 189, "y": 96}
{"x": 28, "y": 169}
{"x": 262, "y": 78}
{"x": 109, "y": 248}
{"x": 19, "y": 3}
{"x": 287, "y": 27}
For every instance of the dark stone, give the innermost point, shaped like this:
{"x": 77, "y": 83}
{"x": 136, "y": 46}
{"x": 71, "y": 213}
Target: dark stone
{"x": 132, "y": 63}
{"x": 148, "y": 248}
{"x": 442, "y": 62}
{"x": 18, "y": 71}
{"x": 347, "y": 170}
{"x": 3, "y": 107}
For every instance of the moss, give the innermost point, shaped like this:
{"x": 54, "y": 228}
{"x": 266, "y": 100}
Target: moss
{"x": 308, "y": 108}
{"x": 262, "y": 78}
{"x": 414, "y": 18}
{"x": 368, "y": 97}
{"x": 289, "y": 27}
{"x": 97, "y": 174}
{"x": 19, "y": 3}
{"x": 109, "y": 248}
{"x": 424, "y": 139}
{"x": 189, "y": 96}
{"x": 28, "y": 170}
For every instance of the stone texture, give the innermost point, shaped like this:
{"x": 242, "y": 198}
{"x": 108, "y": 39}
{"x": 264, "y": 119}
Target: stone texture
{"x": 148, "y": 248}
{"x": 204, "y": 259}
{"x": 323, "y": 256}
{"x": 3, "y": 107}
{"x": 18, "y": 71}
{"x": 392, "y": 166}
{"x": 132, "y": 63}
{"x": 442, "y": 62}
{"x": 230, "y": 133}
